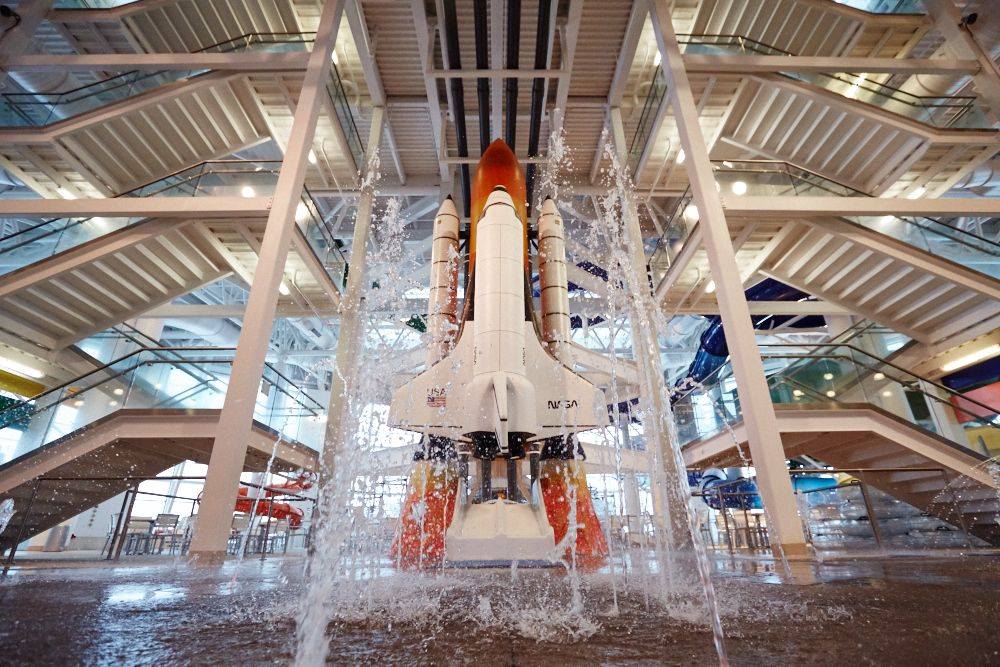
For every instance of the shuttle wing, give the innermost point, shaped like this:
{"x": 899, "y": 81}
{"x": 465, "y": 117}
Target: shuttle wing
{"x": 442, "y": 400}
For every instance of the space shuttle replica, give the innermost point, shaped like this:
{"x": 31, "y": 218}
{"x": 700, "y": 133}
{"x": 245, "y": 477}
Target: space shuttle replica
{"x": 499, "y": 476}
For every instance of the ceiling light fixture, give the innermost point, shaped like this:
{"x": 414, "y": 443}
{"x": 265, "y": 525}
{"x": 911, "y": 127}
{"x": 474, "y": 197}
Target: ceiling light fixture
{"x": 971, "y": 358}
{"x": 691, "y": 213}
{"x": 17, "y": 368}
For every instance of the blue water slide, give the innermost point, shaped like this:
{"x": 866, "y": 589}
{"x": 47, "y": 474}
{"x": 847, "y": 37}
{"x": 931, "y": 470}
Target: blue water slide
{"x": 741, "y": 493}
{"x": 714, "y": 350}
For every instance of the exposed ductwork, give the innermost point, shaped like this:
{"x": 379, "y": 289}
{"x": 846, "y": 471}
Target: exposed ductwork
{"x": 513, "y": 62}
{"x": 538, "y": 92}
{"x": 482, "y": 83}
{"x": 454, "y": 59}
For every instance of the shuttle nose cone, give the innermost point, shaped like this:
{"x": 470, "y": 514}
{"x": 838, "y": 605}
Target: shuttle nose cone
{"x": 499, "y": 196}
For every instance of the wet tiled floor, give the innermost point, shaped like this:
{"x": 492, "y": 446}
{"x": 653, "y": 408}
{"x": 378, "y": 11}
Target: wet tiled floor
{"x": 887, "y": 611}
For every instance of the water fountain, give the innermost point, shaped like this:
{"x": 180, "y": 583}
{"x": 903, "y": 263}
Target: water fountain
{"x": 591, "y": 571}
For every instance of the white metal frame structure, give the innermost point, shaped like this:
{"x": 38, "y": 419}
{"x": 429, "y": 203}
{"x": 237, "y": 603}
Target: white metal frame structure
{"x": 621, "y": 67}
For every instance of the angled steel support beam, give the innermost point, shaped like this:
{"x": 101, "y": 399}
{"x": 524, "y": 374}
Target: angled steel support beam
{"x": 236, "y": 419}
{"x": 569, "y": 39}
{"x": 764, "y": 438}
{"x": 424, "y": 36}
{"x": 960, "y": 41}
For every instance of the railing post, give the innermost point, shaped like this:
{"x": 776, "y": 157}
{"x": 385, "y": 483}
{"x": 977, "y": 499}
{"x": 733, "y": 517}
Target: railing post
{"x": 872, "y": 519}
{"x": 24, "y": 521}
{"x": 725, "y": 519}
{"x": 128, "y": 518}
{"x": 118, "y": 525}
{"x": 267, "y": 528}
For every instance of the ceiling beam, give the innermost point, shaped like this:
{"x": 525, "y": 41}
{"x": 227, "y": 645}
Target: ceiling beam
{"x": 793, "y": 308}
{"x": 803, "y": 207}
{"x": 138, "y": 207}
{"x": 768, "y": 64}
{"x": 87, "y": 62}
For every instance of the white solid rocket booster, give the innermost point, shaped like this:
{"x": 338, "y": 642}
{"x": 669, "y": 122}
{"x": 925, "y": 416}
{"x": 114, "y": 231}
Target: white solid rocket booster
{"x": 553, "y": 282}
{"x": 443, "y": 298}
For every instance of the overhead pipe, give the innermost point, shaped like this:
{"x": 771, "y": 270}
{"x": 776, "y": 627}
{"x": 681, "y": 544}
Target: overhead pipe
{"x": 513, "y": 62}
{"x": 538, "y": 92}
{"x": 482, "y": 83}
{"x": 457, "y": 94}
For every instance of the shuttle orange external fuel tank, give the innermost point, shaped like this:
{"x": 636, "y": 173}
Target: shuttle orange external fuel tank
{"x": 504, "y": 396}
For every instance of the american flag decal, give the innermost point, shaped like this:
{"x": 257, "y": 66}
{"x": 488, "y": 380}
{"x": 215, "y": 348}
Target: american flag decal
{"x": 437, "y": 398}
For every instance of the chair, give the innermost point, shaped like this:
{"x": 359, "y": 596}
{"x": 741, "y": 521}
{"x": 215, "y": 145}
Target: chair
{"x": 239, "y": 528}
{"x": 137, "y": 535}
{"x": 164, "y": 528}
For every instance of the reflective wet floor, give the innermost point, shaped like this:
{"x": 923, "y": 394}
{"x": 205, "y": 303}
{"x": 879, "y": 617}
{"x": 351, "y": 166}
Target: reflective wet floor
{"x": 888, "y": 611}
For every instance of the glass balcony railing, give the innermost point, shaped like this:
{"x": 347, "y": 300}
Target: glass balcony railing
{"x": 90, "y": 4}
{"x": 158, "y": 378}
{"x": 654, "y": 98}
{"x": 832, "y": 374}
{"x": 944, "y": 111}
{"x": 335, "y": 89}
{"x": 33, "y": 243}
{"x": 884, "y": 6}
{"x": 30, "y": 109}
{"x": 937, "y": 237}
{"x": 766, "y": 178}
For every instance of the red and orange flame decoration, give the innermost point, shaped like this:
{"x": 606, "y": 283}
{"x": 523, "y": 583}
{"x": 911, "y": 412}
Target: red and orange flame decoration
{"x": 426, "y": 515}
{"x": 559, "y": 480}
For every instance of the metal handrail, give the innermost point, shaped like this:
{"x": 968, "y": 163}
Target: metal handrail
{"x": 809, "y": 174}
{"x": 116, "y": 374}
{"x": 912, "y": 375}
{"x": 961, "y": 236}
{"x": 887, "y": 363}
{"x": 198, "y": 166}
{"x": 967, "y": 101}
{"x": 199, "y": 171}
{"x": 246, "y": 37}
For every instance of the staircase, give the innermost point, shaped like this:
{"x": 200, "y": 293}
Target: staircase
{"x": 180, "y": 25}
{"x": 921, "y": 277}
{"x": 952, "y": 483}
{"x": 872, "y": 147}
{"x": 822, "y": 28}
{"x": 57, "y": 482}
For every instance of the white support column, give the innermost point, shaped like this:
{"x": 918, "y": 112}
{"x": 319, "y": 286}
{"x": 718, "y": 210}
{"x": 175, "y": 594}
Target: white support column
{"x": 674, "y": 498}
{"x": 758, "y": 412}
{"x": 230, "y": 448}
{"x": 350, "y": 307}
